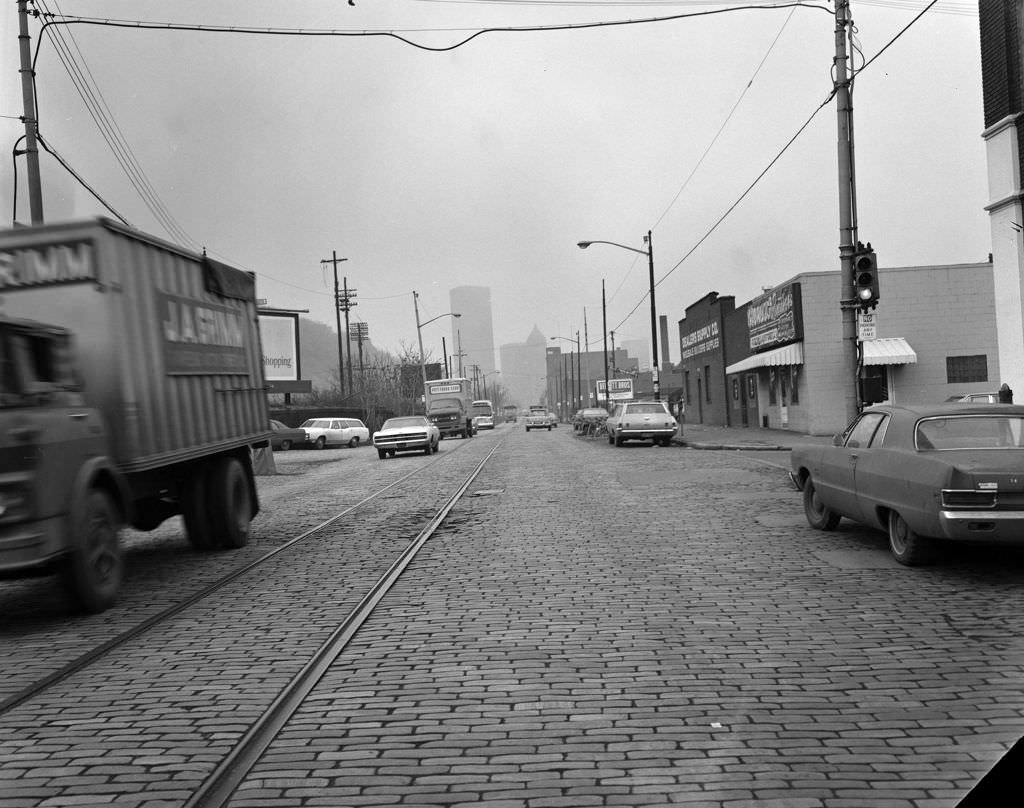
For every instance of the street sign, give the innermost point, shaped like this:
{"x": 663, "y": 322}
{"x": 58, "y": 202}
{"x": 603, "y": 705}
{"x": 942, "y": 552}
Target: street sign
{"x": 866, "y": 326}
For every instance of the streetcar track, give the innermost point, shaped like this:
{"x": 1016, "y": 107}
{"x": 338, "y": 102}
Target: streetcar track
{"x": 100, "y": 651}
{"x": 218, "y": 788}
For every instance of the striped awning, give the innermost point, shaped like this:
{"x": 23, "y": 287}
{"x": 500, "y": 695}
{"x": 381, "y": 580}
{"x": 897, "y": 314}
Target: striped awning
{"x": 792, "y": 354}
{"x": 888, "y": 351}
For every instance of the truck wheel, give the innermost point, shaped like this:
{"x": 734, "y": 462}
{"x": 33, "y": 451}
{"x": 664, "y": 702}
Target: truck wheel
{"x": 194, "y": 511}
{"x": 95, "y": 567}
{"x": 230, "y": 503}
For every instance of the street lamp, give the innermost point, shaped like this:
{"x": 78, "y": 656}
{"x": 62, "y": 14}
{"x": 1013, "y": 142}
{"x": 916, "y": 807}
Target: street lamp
{"x": 649, "y": 252}
{"x": 577, "y": 394}
{"x": 419, "y": 334}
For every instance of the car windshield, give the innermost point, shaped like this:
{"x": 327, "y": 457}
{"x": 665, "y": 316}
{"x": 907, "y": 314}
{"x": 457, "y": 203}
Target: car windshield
{"x": 479, "y": 409}
{"x": 971, "y": 432}
{"x": 634, "y": 409}
{"x": 404, "y": 423}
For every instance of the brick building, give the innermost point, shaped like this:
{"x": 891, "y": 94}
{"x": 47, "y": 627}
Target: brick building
{"x": 777, "y": 360}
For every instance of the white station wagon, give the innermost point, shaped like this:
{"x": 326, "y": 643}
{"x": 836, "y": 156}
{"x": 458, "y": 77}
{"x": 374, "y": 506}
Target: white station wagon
{"x": 323, "y": 432}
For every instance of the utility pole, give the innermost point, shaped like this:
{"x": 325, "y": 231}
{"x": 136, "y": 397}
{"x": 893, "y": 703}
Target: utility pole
{"x": 361, "y": 332}
{"x": 346, "y": 304}
{"x": 604, "y": 332}
{"x": 334, "y": 260}
{"x": 847, "y": 210}
{"x": 444, "y": 355}
{"x": 656, "y": 377}
{"x": 461, "y": 353}
{"x": 31, "y": 151}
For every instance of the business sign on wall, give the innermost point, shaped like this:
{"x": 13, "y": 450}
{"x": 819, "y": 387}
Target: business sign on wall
{"x": 775, "y": 318}
{"x": 701, "y": 340}
{"x": 618, "y": 389}
{"x": 279, "y": 336}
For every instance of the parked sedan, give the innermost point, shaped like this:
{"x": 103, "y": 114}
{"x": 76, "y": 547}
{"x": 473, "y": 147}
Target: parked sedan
{"x": 641, "y": 420}
{"x": 409, "y": 433}
{"x": 285, "y": 437}
{"x": 944, "y": 471}
{"x": 324, "y": 432}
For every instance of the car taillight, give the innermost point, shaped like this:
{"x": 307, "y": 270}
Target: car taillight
{"x": 969, "y": 499}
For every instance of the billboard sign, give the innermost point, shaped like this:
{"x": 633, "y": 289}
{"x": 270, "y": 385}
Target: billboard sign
{"x": 279, "y": 336}
{"x": 775, "y": 318}
{"x": 619, "y": 389}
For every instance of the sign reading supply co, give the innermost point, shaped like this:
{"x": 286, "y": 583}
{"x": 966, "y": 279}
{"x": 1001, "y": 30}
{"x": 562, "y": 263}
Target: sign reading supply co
{"x": 775, "y": 318}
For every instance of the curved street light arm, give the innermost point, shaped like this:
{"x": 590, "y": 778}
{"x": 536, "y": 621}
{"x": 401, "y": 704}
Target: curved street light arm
{"x": 584, "y": 244}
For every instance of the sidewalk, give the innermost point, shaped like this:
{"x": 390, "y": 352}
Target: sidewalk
{"x": 701, "y": 436}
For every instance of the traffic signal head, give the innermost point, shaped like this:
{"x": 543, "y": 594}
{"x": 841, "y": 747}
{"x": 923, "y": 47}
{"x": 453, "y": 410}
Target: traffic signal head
{"x": 865, "y": 277}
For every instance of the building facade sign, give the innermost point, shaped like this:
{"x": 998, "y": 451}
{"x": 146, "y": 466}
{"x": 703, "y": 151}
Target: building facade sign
{"x": 775, "y": 318}
{"x": 704, "y": 339}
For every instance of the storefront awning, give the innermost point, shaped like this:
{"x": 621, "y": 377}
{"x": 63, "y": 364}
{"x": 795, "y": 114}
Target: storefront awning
{"x": 888, "y": 351}
{"x": 786, "y": 355}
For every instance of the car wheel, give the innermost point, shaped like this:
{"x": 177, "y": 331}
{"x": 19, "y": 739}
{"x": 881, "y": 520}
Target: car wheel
{"x": 427, "y": 450}
{"x": 907, "y": 547}
{"x": 95, "y": 567}
{"x": 618, "y": 440}
{"x": 286, "y": 445}
{"x": 353, "y": 443}
{"x": 381, "y": 454}
{"x": 549, "y": 428}
{"x": 818, "y": 514}
{"x": 321, "y": 442}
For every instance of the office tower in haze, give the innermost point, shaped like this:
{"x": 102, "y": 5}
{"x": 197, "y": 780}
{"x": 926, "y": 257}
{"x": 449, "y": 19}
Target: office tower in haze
{"x": 473, "y": 332}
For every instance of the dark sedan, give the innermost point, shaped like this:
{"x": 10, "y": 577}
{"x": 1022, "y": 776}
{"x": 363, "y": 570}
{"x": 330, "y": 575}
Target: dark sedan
{"x": 952, "y": 471}
{"x": 285, "y": 437}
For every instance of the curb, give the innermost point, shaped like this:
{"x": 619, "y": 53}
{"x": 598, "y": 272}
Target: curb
{"x": 746, "y": 447}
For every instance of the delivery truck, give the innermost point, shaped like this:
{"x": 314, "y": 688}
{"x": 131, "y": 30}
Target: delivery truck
{"x": 448, "y": 404}
{"x": 131, "y": 391}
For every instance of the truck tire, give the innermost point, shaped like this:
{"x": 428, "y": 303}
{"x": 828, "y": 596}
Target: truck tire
{"x": 229, "y": 503}
{"x": 194, "y": 512}
{"x": 94, "y": 569}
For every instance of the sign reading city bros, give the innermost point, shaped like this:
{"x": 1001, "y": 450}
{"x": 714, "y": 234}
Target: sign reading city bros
{"x": 775, "y": 318}
{"x": 618, "y": 389}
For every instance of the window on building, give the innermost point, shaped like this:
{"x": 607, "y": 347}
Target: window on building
{"x": 707, "y": 383}
{"x": 965, "y": 369}
{"x": 794, "y": 394}
{"x": 735, "y": 389}
{"x": 773, "y": 386}
{"x": 686, "y": 387}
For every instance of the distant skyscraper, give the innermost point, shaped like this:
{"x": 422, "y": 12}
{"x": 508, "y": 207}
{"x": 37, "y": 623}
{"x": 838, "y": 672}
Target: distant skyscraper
{"x": 523, "y": 370}
{"x": 638, "y": 349}
{"x": 473, "y": 332}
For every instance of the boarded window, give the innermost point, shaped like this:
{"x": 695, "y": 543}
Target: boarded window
{"x": 966, "y": 369}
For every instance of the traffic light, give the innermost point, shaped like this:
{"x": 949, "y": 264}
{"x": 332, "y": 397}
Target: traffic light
{"x": 865, "y": 276}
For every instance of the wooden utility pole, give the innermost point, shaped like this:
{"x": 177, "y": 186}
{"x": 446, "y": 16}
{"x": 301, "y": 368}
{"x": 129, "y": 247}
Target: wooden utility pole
{"x": 31, "y": 151}
{"x": 334, "y": 260}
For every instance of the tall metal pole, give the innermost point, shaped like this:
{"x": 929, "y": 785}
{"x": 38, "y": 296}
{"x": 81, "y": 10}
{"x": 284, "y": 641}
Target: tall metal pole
{"x": 604, "y": 331}
{"x": 656, "y": 369}
{"x": 35, "y": 189}
{"x": 444, "y": 353}
{"x": 579, "y": 375}
{"x": 847, "y": 211}
{"x": 419, "y": 336}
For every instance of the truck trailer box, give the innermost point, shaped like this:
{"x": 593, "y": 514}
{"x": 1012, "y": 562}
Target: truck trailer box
{"x": 131, "y": 391}
{"x": 166, "y": 342}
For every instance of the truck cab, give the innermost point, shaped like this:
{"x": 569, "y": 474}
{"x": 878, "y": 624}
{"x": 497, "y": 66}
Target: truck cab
{"x": 47, "y": 438}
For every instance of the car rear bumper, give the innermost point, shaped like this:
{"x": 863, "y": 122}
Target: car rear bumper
{"x": 982, "y": 525}
{"x": 644, "y": 434}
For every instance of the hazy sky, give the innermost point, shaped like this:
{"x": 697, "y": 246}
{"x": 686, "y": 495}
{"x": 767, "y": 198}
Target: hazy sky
{"x": 485, "y": 164}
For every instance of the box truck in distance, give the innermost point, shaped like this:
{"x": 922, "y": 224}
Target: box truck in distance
{"x": 131, "y": 390}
